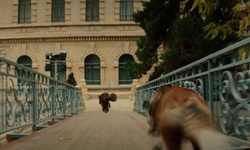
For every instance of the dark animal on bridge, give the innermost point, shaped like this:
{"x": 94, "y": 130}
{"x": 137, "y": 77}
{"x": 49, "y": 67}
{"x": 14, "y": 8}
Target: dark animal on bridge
{"x": 104, "y": 100}
{"x": 179, "y": 117}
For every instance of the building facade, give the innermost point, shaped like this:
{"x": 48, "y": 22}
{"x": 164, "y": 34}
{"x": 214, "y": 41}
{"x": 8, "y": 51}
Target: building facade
{"x": 98, "y": 37}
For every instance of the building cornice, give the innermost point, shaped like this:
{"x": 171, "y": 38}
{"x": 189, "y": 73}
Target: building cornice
{"x": 69, "y": 39}
{"x": 81, "y": 24}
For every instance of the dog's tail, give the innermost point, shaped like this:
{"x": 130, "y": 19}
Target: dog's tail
{"x": 193, "y": 124}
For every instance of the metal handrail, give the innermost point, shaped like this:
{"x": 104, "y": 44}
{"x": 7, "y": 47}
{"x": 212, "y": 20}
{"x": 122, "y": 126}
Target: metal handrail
{"x": 30, "y": 98}
{"x": 223, "y": 79}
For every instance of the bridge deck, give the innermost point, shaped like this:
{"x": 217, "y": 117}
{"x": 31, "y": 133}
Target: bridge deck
{"x": 119, "y": 129}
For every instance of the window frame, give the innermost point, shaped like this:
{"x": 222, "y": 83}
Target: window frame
{"x": 25, "y": 61}
{"x": 126, "y": 10}
{"x": 124, "y": 77}
{"x": 92, "y": 10}
{"x": 58, "y": 11}
{"x": 24, "y": 11}
{"x": 92, "y": 70}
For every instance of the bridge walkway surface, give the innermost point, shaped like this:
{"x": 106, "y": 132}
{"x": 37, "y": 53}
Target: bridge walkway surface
{"x": 119, "y": 129}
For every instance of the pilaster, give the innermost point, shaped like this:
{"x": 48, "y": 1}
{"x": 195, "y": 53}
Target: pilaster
{"x": 85, "y": 93}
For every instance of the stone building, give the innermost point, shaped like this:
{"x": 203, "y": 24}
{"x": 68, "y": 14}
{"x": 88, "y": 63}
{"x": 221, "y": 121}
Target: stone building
{"x": 97, "y": 36}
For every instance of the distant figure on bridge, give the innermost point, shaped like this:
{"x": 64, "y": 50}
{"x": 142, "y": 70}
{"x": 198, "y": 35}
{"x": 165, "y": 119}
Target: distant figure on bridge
{"x": 104, "y": 99}
{"x": 71, "y": 79}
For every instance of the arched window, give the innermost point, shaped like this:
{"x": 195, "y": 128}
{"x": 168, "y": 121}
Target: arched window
{"x": 92, "y": 70}
{"x": 124, "y": 77}
{"x": 25, "y": 60}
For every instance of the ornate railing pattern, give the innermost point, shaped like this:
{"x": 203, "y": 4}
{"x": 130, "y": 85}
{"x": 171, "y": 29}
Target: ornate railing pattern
{"x": 223, "y": 78}
{"x": 29, "y": 98}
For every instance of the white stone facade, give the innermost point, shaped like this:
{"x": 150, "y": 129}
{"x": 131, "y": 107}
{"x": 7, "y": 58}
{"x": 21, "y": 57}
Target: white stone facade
{"x": 109, "y": 38}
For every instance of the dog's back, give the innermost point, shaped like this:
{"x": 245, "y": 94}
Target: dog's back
{"x": 178, "y": 114}
{"x": 104, "y": 100}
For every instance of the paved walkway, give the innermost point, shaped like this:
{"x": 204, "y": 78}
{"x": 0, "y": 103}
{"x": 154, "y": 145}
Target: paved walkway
{"x": 119, "y": 129}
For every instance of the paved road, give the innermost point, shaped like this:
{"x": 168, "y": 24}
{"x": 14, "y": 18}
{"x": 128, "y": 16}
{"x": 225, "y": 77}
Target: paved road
{"x": 119, "y": 129}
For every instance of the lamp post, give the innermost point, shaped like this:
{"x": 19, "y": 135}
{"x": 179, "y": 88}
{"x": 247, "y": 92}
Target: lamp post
{"x": 56, "y": 64}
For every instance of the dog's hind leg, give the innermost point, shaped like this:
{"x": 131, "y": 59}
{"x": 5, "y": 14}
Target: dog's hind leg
{"x": 173, "y": 139}
{"x": 157, "y": 142}
{"x": 171, "y": 128}
{"x": 195, "y": 144}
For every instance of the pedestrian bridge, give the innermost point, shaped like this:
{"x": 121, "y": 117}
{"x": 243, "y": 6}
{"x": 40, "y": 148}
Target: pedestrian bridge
{"x": 31, "y": 99}
{"x": 120, "y": 129}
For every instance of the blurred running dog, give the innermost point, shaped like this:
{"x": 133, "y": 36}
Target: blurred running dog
{"x": 178, "y": 116}
{"x": 104, "y": 99}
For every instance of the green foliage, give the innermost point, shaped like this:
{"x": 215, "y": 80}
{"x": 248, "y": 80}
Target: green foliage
{"x": 187, "y": 44}
{"x": 158, "y": 70}
{"x": 190, "y": 37}
{"x": 146, "y": 54}
{"x": 134, "y": 70}
{"x": 156, "y": 19}
{"x": 220, "y": 17}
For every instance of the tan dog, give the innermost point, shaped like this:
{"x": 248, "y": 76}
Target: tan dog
{"x": 104, "y": 100}
{"x": 177, "y": 115}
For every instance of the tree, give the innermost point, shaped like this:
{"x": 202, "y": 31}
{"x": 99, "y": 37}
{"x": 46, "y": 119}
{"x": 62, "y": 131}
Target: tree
{"x": 156, "y": 19}
{"x": 224, "y": 17}
{"x": 187, "y": 44}
{"x": 187, "y": 31}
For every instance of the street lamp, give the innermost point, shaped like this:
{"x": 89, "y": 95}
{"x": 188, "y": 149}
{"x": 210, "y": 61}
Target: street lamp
{"x": 56, "y": 64}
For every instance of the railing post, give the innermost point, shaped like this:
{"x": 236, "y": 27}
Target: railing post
{"x": 64, "y": 101}
{"x": 53, "y": 95}
{"x": 71, "y": 103}
{"x": 34, "y": 103}
{"x": 2, "y": 102}
{"x": 210, "y": 86}
{"x": 76, "y": 101}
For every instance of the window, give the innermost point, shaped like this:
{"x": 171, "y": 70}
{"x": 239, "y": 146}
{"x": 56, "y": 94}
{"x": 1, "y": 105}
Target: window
{"x": 92, "y": 10}
{"x": 26, "y": 61}
{"x": 24, "y": 11}
{"x": 58, "y": 11}
{"x": 126, "y": 10}
{"x": 124, "y": 77}
{"x": 92, "y": 70}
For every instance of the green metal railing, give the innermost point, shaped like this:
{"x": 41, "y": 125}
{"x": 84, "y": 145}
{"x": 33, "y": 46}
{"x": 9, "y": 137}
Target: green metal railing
{"x": 29, "y": 98}
{"x": 223, "y": 79}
